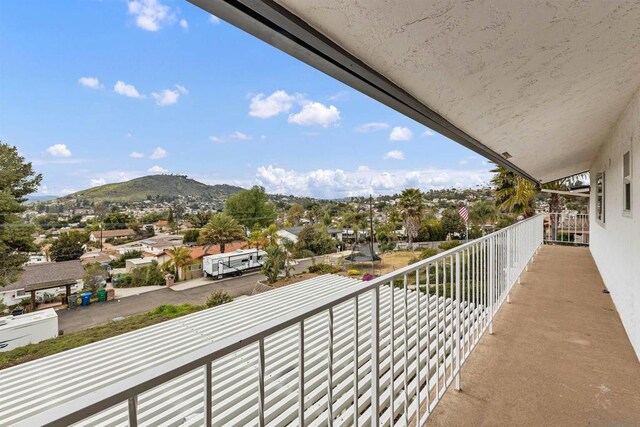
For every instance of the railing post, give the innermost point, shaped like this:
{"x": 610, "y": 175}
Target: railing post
{"x": 133, "y": 411}
{"x": 492, "y": 273}
{"x": 301, "y": 373}
{"x": 508, "y": 287}
{"x": 207, "y": 395}
{"x": 457, "y": 317}
{"x": 375, "y": 349}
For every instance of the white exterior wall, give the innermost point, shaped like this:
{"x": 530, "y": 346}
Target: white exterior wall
{"x": 615, "y": 245}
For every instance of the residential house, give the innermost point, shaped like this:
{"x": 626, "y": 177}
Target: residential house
{"x": 95, "y": 236}
{"x": 161, "y": 226}
{"x": 134, "y": 263}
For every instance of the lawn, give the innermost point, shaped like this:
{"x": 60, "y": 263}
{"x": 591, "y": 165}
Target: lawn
{"x": 87, "y": 336}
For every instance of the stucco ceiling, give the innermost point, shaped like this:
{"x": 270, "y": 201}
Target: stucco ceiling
{"x": 544, "y": 81}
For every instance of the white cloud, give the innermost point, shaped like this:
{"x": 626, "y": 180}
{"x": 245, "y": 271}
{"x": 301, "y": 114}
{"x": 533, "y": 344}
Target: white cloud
{"x": 169, "y": 96}
{"x": 59, "y": 150}
{"x": 240, "y": 136}
{"x": 463, "y": 162}
{"x": 216, "y": 139}
{"x": 428, "y": 132}
{"x": 122, "y": 88}
{"x": 316, "y": 114}
{"x": 276, "y": 103}
{"x": 184, "y": 24}
{"x": 158, "y": 153}
{"x": 129, "y": 135}
{"x": 332, "y": 183}
{"x": 90, "y": 82}
{"x": 136, "y": 155}
{"x": 157, "y": 170}
{"x": 166, "y": 97}
{"x": 395, "y": 155}
{"x": 263, "y": 136}
{"x": 95, "y": 182}
{"x": 399, "y": 133}
{"x": 372, "y": 127}
{"x": 66, "y": 191}
{"x": 150, "y": 15}
{"x": 214, "y": 19}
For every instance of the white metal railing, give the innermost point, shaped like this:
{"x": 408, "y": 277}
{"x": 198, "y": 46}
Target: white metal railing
{"x": 380, "y": 353}
{"x": 566, "y": 228}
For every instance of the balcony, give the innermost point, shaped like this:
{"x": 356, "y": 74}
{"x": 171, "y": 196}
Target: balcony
{"x": 280, "y": 357}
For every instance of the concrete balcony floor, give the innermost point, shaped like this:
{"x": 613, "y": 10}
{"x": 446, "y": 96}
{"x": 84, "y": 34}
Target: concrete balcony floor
{"x": 559, "y": 355}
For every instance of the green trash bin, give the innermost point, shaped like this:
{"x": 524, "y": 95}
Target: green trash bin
{"x": 102, "y": 295}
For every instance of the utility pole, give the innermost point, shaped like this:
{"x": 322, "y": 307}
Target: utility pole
{"x": 371, "y": 230}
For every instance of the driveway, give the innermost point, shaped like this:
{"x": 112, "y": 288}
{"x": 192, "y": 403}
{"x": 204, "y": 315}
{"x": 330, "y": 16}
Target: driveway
{"x": 98, "y": 314}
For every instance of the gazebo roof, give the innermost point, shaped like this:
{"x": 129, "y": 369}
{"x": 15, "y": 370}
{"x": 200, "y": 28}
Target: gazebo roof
{"x": 48, "y": 275}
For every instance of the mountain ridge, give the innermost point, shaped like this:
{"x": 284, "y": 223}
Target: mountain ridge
{"x": 152, "y": 187}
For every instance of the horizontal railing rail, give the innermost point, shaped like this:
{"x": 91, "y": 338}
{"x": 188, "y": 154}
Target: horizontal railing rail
{"x": 391, "y": 347}
{"x": 566, "y": 228}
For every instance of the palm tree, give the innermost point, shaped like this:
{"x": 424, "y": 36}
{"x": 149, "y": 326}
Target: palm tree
{"x": 220, "y": 230}
{"x": 411, "y": 211}
{"x": 276, "y": 260}
{"x": 482, "y": 212}
{"x": 513, "y": 193}
{"x": 180, "y": 258}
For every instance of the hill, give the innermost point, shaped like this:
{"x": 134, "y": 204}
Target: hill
{"x": 154, "y": 187}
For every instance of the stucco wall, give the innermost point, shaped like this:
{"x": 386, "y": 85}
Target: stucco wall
{"x": 615, "y": 245}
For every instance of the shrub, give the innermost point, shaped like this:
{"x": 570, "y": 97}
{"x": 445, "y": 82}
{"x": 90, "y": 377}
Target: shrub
{"x": 324, "y": 268}
{"x": 426, "y": 253}
{"x": 218, "y": 298}
{"x": 449, "y": 245}
{"x": 354, "y": 272}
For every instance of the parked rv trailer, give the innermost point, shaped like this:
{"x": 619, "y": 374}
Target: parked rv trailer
{"x": 233, "y": 263}
{"x": 30, "y": 328}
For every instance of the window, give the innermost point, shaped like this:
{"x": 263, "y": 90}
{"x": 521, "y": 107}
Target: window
{"x": 626, "y": 183}
{"x": 600, "y": 197}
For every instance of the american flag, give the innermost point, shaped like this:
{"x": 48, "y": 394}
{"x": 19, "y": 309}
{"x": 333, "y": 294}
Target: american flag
{"x": 464, "y": 213}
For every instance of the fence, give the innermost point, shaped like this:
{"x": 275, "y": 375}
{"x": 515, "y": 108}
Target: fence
{"x": 566, "y": 229}
{"x": 379, "y": 353}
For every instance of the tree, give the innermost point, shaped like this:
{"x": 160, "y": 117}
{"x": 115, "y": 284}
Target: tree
{"x": 295, "y": 213}
{"x": 514, "y": 194}
{"x": 95, "y": 276}
{"x": 220, "y": 230}
{"x": 200, "y": 219}
{"x": 315, "y": 240}
{"x": 117, "y": 221}
{"x": 482, "y": 212}
{"x": 66, "y": 247}
{"x": 452, "y": 222}
{"x": 17, "y": 179}
{"x": 275, "y": 262}
{"x": 263, "y": 238}
{"x": 191, "y": 236}
{"x": 251, "y": 208}
{"x": 180, "y": 258}
{"x": 411, "y": 206}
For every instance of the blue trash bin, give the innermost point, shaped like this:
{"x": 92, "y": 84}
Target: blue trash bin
{"x": 86, "y": 298}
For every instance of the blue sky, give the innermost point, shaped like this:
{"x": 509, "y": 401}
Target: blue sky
{"x": 94, "y": 92}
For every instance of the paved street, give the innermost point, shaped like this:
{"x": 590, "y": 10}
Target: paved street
{"x": 98, "y": 314}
